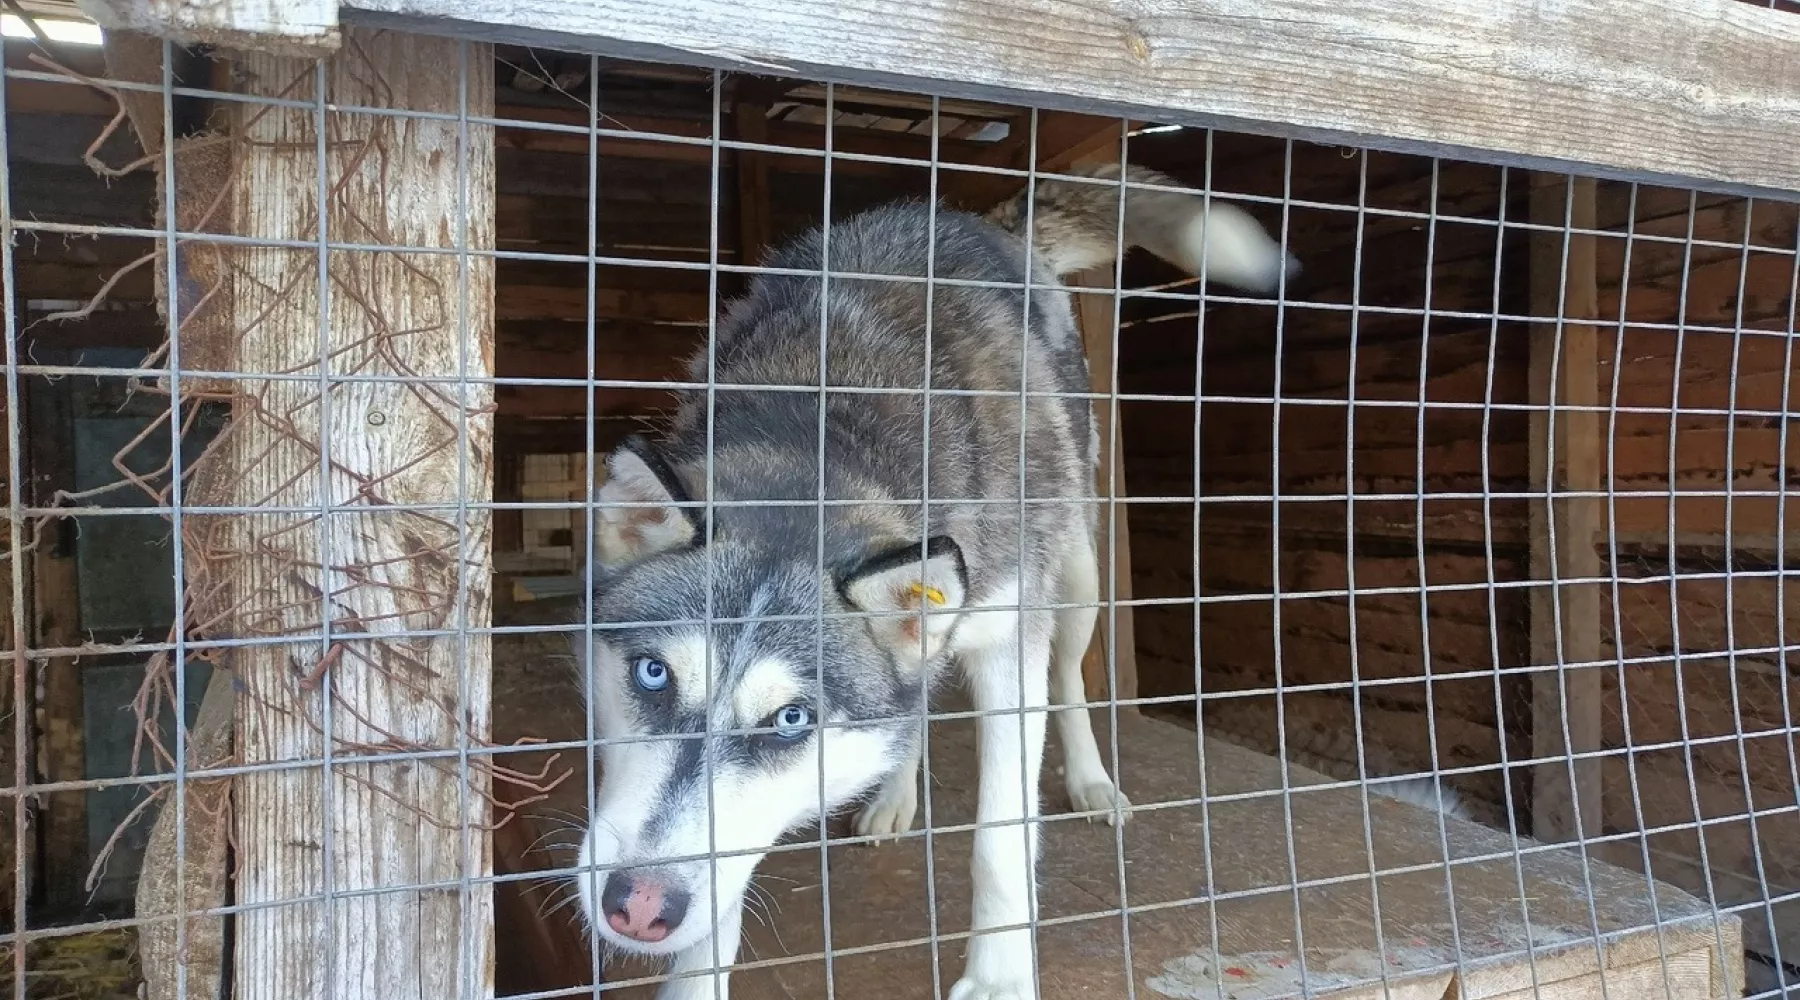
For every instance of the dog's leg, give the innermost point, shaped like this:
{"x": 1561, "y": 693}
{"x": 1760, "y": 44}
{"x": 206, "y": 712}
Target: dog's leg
{"x": 892, "y": 809}
{"x": 1084, "y": 773}
{"x": 1005, "y": 680}
{"x": 699, "y": 959}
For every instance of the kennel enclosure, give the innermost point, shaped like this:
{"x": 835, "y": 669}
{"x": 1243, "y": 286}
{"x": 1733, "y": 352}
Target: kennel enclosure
{"x": 1496, "y": 497}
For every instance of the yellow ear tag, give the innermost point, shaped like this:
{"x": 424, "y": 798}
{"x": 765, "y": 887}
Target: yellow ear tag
{"x": 931, "y": 594}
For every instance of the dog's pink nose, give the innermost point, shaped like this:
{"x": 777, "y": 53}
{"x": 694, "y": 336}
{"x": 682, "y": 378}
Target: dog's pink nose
{"x": 642, "y": 909}
{"x": 641, "y": 915}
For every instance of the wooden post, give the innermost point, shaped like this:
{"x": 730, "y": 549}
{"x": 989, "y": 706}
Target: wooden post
{"x": 367, "y": 834}
{"x": 1095, "y": 315}
{"x": 756, "y": 230}
{"x": 1565, "y": 697}
{"x": 54, "y": 608}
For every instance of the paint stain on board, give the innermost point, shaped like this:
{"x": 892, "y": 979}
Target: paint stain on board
{"x": 1270, "y": 975}
{"x": 1273, "y": 975}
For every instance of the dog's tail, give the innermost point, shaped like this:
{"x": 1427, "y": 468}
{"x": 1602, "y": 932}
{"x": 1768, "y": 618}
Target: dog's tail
{"x": 1077, "y": 227}
{"x": 1422, "y": 793}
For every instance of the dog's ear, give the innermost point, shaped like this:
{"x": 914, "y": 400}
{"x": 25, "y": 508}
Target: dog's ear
{"x": 637, "y": 476}
{"x": 897, "y": 581}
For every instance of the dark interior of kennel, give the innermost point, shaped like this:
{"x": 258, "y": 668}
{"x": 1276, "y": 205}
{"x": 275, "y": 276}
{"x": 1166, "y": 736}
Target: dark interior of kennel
{"x": 1351, "y": 330}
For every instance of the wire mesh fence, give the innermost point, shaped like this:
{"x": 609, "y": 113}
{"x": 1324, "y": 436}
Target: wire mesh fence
{"x": 1440, "y": 581}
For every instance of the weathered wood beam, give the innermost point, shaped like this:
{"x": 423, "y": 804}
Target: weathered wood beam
{"x": 1665, "y": 90}
{"x": 1567, "y": 705}
{"x": 290, "y": 27}
{"x": 370, "y": 832}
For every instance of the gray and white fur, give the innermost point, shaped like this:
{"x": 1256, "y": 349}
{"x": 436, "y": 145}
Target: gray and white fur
{"x": 831, "y": 623}
{"x": 1435, "y": 796}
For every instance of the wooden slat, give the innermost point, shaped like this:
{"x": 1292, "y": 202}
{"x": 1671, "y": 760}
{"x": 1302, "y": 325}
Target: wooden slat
{"x": 756, "y": 229}
{"x": 55, "y": 622}
{"x": 1567, "y": 710}
{"x": 555, "y": 302}
{"x": 1696, "y": 90}
{"x": 1115, "y": 626}
{"x": 1063, "y": 140}
{"x": 554, "y": 402}
{"x": 801, "y": 137}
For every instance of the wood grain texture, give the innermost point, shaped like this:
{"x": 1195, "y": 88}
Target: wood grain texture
{"x": 55, "y": 621}
{"x": 189, "y": 872}
{"x": 1186, "y": 868}
{"x": 1695, "y": 89}
{"x": 290, "y": 27}
{"x": 1115, "y": 628}
{"x": 1565, "y": 455}
{"x": 750, "y": 122}
{"x": 370, "y": 833}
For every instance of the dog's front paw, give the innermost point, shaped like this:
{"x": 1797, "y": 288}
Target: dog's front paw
{"x": 890, "y": 813}
{"x": 1102, "y": 796}
{"x": 972, "y": 988}
{"x": 999, "y": 968}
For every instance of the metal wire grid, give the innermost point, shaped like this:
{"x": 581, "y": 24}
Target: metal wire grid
{"x": 21, "y": 515}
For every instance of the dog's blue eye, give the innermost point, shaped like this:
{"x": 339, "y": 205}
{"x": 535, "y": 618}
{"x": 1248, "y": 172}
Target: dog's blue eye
{"x": 651, "y": 675}
{"x": 791, "y": 721}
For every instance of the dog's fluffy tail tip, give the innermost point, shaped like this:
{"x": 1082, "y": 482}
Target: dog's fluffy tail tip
{"x": 1077, "y": 222}
{"x": 1227, "y": 245}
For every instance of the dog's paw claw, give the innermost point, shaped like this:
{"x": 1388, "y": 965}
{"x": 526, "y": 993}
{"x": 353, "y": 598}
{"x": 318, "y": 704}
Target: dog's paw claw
{"x": 1100, "y": 796}
{"x": 887, "y": 816}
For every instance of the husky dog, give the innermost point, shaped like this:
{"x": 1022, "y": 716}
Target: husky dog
{"x": 958, "y": 525}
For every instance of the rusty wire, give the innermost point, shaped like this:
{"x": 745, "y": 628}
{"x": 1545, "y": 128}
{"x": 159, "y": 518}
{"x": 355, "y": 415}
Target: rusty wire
{"x": 214, "y": 610}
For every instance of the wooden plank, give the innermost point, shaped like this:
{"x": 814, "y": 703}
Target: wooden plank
{"x": 1064, "y": 139}
{"x": 377, "y": 831}
{"x": 1688, "y": 974}
{"x": 756, "y": 230}
{"x": 611, "y": 361}
{"x": 1567, "y": 707}
{"x": 1176, "y": 898}
{"x": 298, "y": 28}
{"x": 555, "y": 302}
{"x": 1695, "y": 90}
{"x": 1739, "y": 868}
{"x": 16, "y": 691}
{"x": 801, "y": 137}
{"x": 55, "y": 621}
{"x": 1115, "y": 627}
{"x": 187, "y": 863}
{"x": 570, "y": 403}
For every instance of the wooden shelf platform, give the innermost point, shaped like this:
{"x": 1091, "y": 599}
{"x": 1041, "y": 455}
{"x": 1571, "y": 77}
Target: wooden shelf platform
{"x": 1184, "y": 886}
